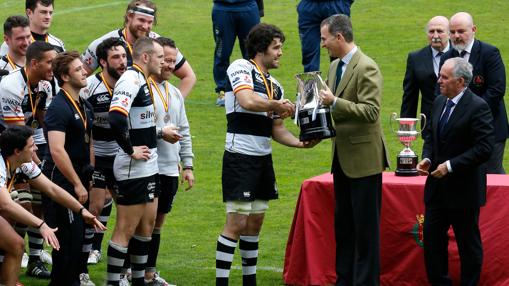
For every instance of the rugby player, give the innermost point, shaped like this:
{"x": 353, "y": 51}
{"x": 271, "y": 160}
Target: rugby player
{"x": 17, "y": 145}
{"x": 139, "y": 18}
{"x": 40, "y": 15}
{"x": 255, "y": 109}
{"x": 17, "y": 38}
{"x": 24, "y": 96}
{"x": 132, "y": 120}
{"x": 99, "y": 91}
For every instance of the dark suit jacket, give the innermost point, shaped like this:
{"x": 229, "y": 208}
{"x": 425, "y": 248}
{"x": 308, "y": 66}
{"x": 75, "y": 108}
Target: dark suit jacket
{"x": 466, "y": 141}
{"x": 488, "y": 82}
{"x": 419, "y": 76}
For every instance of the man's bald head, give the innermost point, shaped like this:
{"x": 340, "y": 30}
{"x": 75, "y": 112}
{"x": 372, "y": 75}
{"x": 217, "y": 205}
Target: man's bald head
{"x": 462, "y": 29}
{"x": 437, "y": 30}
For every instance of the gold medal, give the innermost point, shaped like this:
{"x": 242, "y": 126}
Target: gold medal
{"x": 166, "y": 118}
{"x": 87, "y": 138}
{"x": 35, "y": 124}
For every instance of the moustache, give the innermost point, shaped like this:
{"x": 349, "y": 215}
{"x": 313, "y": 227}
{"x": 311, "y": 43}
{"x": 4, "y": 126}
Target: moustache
{"x": 436, "y": 40}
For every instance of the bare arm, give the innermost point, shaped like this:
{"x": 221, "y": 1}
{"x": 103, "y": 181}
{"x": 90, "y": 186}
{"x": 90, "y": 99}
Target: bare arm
{"x": 252, "y": 102}
{"x": 281, "y": 135}
{"x": 56, "y": 141}
{"x": 187, "y": 78}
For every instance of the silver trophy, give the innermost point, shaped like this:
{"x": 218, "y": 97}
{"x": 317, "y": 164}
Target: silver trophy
{"x": 313, "y": 118}
{"x": 407, "y": 133}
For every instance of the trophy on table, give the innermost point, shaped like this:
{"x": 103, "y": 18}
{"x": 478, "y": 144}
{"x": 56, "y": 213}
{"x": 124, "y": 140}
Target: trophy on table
{"x": 407, "y": 132}
{"x": 313, "y": 118}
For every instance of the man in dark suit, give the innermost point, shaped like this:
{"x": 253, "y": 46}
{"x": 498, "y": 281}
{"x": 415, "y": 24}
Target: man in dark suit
{"x": 459, "y": 140}
{"x": 359, "y": 153}
{"x": 422, "y": 69}
{"x": 488, "y": 79}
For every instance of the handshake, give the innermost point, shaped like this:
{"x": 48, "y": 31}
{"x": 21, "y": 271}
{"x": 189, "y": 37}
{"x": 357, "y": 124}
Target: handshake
{"x": 284, "y": 108}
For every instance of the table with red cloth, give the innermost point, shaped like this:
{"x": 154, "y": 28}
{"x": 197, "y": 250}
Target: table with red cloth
{"x": 311, "y": 250}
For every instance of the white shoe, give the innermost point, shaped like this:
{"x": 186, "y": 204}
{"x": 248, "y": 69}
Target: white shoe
{"x": 24, "y": 260}
{"x": 94, "y": 257}
{"x": 85, "y": 280}
{"x": 46, "y": 257}
{"x": 123, "y": 280}
{"x": 158, "y": 281}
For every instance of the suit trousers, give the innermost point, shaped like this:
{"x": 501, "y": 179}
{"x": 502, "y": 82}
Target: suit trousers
{"x": 494, "y": 165}
{"x": 357, "y": 227}
{"x": 465, "y": 223}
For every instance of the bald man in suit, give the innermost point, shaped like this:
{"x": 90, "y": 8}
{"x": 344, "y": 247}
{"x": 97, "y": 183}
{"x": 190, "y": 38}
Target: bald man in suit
{"x": 354, "y": 94}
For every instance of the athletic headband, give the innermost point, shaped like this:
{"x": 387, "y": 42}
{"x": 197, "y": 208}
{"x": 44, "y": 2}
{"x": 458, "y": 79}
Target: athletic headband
{"x": 146, "y": 11}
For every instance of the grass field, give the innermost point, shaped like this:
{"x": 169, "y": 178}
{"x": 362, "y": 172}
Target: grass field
{"x": 386, "y": 30}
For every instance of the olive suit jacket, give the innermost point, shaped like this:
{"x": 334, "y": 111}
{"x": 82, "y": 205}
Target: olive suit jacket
{"x": 359, "y": 142}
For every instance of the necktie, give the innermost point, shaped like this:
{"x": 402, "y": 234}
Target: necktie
{"x": 339, "y": 72}
{"x": 463, "y": 53}
{"x": 436, "y": 62}
{"x": 445, "y": 116}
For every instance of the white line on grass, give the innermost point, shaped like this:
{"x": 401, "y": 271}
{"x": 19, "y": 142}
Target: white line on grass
{"x": 84, "y": 8}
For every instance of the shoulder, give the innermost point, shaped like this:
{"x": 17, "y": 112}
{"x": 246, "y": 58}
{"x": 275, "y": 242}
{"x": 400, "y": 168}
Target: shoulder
{"x": 420, "y": 52}
{"x": 12, "y": 83}
{"x": 239, "y": 67}
{"x": 55, "y": 40}
{"x": 111, "y": 34}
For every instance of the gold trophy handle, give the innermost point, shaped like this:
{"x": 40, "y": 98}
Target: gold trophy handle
{"x": 423, "y": 117}
{"x": 393, "y": 117}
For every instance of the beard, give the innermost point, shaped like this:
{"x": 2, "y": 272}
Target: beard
{"x": 113, "y": 72}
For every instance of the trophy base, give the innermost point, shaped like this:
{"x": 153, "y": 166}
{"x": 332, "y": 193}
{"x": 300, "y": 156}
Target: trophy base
{"x": 407, "y": 166}
{"x": 320, "y": 128}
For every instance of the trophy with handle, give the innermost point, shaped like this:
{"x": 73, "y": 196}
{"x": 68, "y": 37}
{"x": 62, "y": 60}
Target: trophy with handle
{"x": 407, "y": 133}
{"x": 313, "y": 118}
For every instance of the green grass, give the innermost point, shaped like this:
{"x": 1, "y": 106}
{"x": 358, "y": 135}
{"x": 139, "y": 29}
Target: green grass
{"x": 385, "y": 30}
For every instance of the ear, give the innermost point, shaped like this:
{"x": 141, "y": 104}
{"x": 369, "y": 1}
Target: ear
{"x": 145, "y": 57}
{"x": 65, "y": 78}
{"x": 103, "y": 63}
{"x": 28, "y": 12}
{"x": 340, "y": 37}
{"x": 6, "y": 39}
{"x": 474, "y": 28}
{"x": 33, "y": 63}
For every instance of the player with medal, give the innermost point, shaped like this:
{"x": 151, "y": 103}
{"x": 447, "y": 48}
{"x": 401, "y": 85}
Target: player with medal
{"x": 68, "y": 125}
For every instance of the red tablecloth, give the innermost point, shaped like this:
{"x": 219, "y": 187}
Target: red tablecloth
{"x": 310, "y": 251}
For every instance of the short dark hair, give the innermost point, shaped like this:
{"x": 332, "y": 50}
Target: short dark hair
{"x": 31, "y": 4}
{"x": 135, "y": 3}
{"x": 14, "y": 137}
{"x": 13, "y": 22}
{"x": 260, "y": 37}
{"x": 166, "y": 42}
{"x": 339, "y": 23}
{"x": 105, "y": 46}
{"x": 61, "y": 64}
{"x": 36, "y": 50}
{"x": 143, "y": 45}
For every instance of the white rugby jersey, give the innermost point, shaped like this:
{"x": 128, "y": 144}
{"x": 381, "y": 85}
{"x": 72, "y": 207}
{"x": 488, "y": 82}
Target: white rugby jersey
{"x": 30, "y": 170}
{"x": 8, "y": 65}
{"x": 16, "y": 105}
{"x": 97, "y": 94}
{"x": 48, "y": 38}
{"x": 170, "y": 155}
{"x": 248, "y": 132}
{"x": 131, "y": 98}
{"x": 89, "y": 57}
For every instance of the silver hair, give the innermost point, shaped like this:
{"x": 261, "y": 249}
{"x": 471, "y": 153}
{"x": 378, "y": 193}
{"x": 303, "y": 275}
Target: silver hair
{"x": 461, "y": 68}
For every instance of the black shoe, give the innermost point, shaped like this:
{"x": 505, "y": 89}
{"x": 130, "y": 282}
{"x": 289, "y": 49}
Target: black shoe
{"x": 37, "y": 269}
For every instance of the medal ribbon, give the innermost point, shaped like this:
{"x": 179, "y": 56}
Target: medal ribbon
{"x": 108, "y": 88}
{"x": 83, "y": 118}
{"x": 13, "y": 176}
{"x": 270, "y": 92}
{"x": 165, "y": 100}
{"x": 33, "y": 104}
{"x": 11, "y": 63}
{"x": 124, "y": 33}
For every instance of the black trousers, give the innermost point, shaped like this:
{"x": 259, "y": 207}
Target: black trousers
{"x": 465, "y": 223}
{"x": 357, "y": 228}
{"x": 67, "y": 263}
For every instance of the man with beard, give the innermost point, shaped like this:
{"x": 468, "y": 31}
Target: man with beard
{"x": 139, "y": 18}
{"x": 112, "y": 58}
{"x": 17, "y": 37}
{"x": 132, "y": 121}
{"x": 68, "y": 125}
{"x": 255, "y": 109}
{"x": 24, "y": 95}
{"x": 422, "y": 69}
{"x": 171, "y": 151}
{"x": 40, "y": 15}
{"x": 488, "y": 79}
